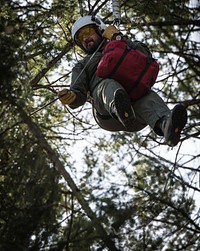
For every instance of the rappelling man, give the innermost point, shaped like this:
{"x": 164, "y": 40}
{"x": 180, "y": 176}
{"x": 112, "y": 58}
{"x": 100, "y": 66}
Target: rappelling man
{"x": 113, "y": 107}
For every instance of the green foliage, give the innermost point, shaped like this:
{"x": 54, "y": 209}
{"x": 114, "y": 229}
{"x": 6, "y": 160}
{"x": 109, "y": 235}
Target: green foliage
{"x": 29, "y": 191}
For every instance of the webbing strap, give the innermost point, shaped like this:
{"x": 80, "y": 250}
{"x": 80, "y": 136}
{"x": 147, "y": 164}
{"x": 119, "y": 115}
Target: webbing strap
{"x": 136, "y": 83}
{"x": 118, "y": 63}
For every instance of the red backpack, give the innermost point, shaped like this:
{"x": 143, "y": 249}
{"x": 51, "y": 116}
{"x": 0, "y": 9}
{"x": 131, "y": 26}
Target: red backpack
{"x": 134, "y": 70}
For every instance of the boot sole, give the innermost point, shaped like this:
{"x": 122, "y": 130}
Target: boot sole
{"x": 124, "y": 109}
{"x": 178, "y": 121}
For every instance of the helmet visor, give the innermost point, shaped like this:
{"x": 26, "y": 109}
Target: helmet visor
{"x": 83, "y": 33}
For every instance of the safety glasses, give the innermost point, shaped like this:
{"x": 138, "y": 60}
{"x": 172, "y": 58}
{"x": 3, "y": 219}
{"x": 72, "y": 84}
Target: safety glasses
{"x": 85, "y": 32}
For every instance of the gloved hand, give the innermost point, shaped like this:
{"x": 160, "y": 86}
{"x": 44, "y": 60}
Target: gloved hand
{"x": 111, "y": 32}
{"x": 66, "y": 96}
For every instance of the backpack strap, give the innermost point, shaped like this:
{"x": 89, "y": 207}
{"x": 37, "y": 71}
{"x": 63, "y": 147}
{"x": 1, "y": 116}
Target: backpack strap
{"x": 127, "y": 49}
{"x": 145, "y": 69}
{"x": 136, "y": 83}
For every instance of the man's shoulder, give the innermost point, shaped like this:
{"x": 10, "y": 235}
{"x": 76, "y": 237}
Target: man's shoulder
{"x": 93, "y": 58}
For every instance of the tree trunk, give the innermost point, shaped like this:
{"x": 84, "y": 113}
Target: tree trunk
{"x": 53, "y": 156}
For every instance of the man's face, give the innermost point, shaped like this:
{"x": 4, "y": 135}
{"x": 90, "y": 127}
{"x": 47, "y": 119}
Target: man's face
{"x": 89, "y": 39}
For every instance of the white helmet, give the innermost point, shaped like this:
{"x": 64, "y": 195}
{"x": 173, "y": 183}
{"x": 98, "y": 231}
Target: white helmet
{"x": 87, "y": 20}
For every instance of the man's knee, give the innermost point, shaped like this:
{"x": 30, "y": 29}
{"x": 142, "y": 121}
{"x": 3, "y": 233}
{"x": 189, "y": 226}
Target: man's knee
{"x": 109, "y": 123}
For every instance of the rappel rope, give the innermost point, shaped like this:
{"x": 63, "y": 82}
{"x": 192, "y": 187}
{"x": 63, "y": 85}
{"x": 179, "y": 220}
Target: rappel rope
{"x": 116, "y": 12}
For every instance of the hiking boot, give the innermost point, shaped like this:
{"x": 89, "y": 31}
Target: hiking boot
{"x": 174, "y": 124}
{"x": 123, "y": 110}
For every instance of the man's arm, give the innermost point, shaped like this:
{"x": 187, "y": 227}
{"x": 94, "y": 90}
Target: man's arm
{"x": 77, "y": 95}
{"x": 79, "y": 85}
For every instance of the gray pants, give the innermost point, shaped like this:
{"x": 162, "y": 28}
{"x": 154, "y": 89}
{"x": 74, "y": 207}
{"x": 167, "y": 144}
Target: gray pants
{"x": 148, "y": 110}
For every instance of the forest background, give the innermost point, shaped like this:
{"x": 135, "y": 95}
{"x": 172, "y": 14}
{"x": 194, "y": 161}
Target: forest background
{"x": 65, "y": 184}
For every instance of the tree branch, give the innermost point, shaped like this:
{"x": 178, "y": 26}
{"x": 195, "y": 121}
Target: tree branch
{"x": 42, "y": 73}
{"x": 172, "y": 23}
